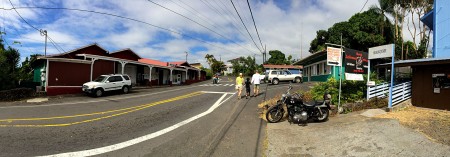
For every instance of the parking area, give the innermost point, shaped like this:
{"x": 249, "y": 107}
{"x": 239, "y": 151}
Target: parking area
{"x": 350, "y": 135}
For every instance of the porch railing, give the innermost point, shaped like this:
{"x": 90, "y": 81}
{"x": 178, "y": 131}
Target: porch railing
{"x": 400, "y": 92}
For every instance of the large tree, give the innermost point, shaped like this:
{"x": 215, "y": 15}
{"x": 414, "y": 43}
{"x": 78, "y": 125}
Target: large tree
{"x": 245, "y": 65}
{"x": 278, "y": 58}
{"x": 360, "y": 32}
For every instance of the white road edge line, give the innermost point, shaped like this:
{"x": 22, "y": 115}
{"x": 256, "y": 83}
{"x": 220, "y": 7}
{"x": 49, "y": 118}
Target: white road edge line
{"x": 101, "y": 100}
{"x": 101, "y": 150}
{"x": 217, "y": 92}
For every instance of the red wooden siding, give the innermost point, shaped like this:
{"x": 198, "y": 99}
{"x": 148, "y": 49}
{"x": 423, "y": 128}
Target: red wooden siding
{"x": 68, "y": 74}
{"x": 93, "y": 49}
{"x": 125, "y": 54}
{"x": 102, "y": 67}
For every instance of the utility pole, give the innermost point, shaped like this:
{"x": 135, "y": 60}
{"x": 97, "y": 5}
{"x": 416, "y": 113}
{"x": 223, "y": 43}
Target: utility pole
{"x": 44, "y": 33}
{"x": 44, "y": 71}
{"x": 264, "y": 54}
{"x": 301, "y": 41}
{"x": 340, "y": 76}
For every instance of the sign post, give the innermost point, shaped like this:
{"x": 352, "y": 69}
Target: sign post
{"x": 384, "y": 51}
{"x": 334, "y": 58}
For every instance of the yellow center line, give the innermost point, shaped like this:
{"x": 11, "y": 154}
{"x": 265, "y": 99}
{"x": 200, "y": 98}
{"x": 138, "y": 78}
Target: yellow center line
{"x": 100, "y": 118}
{"x": 105, "y": 112}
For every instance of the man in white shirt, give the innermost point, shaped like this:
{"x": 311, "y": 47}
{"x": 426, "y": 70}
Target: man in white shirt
{"x": 256, "y": 81}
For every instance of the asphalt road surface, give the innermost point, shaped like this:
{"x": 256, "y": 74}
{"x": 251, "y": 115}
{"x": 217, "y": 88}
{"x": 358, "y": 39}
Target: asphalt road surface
{"x": 195, "y": 120}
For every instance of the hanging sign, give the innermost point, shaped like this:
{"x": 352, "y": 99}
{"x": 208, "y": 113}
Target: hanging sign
{"x": 334, "y": 56}
{"x": 355, "y": 61}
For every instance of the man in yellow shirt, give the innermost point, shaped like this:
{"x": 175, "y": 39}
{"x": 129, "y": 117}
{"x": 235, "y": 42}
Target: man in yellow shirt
{"x": 239, "y": 84}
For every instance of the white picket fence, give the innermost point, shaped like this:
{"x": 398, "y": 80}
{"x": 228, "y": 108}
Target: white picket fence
{"x": 400, "y": 92}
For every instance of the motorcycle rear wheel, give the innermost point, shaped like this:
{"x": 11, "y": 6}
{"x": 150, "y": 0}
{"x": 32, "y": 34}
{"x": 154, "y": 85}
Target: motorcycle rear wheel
{"x": 274, "y": 114}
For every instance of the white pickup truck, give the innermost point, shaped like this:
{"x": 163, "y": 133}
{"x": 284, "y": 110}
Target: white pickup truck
{"x": 275, "y": 76}
{"x": 105, "y": 83}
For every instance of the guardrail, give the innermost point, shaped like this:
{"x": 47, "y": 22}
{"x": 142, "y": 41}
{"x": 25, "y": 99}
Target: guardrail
{"x": 400, "y": 92}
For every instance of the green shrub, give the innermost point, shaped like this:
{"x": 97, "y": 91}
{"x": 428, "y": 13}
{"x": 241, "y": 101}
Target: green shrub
{"x": 16, "y": 94}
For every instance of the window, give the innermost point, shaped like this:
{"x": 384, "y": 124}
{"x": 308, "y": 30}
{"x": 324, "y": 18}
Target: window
{"x": 286, "y": 73}
{"x": 274, "y": 73}
{"x": 320, "y": 68}
{"x": 126, "y": 77}
{"x": 111, "y": 79}
{"x": 100, "y": 79}
{"x": 118, "y": 79}
{"x": 317, "y": 69}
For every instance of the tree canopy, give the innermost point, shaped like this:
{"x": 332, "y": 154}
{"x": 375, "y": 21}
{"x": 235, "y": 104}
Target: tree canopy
{"x": 215, "y": 65}
{"x": 373, "y": 28}
{"x": 278, "y": 58}
{"x": 360, "y": 32}
{"x": 11, "y": 74}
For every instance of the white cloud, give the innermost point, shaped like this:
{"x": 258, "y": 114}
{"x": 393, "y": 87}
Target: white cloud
{"x": 289, "y": 29}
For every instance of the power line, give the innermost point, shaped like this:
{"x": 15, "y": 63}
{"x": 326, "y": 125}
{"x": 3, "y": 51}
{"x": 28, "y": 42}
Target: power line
{"x": 40, "y": 30}
{"x": 122, "y": 17}
{"x": 254, "y": 22}
{"x": 23, "y": 18}
{"x": 244, "y": 25}
{"x": 363, "y": 6}
{"x": 196, "y": 23}
{"x": 232, "y": 20}
{"x": 205, "y": 18}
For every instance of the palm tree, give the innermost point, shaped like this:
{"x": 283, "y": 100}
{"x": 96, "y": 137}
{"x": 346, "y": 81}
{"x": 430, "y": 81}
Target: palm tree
{"x": 385, "y": 8}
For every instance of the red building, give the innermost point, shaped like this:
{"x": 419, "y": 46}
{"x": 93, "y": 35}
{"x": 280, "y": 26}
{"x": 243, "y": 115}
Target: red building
{"x": 65, "y": 73}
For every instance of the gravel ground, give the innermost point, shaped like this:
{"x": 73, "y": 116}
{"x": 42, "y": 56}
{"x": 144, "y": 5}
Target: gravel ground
{"x": 434, "y": 124}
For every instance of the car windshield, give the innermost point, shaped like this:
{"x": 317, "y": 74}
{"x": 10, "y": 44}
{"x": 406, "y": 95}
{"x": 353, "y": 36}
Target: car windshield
{"x": 100, "y": 79}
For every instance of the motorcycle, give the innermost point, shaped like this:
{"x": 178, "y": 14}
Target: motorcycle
{"x": 298, "y": 111}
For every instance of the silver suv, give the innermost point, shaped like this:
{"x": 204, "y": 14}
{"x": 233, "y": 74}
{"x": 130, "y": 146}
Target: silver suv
{"x": 105, "y": 83}
{"x": 275, "y": 76}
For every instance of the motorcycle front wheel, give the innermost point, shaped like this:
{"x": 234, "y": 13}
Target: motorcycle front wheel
{"x": 274, "y": 114}
{"x": 325, "y": 115}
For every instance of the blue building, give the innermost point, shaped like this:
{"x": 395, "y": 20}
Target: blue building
{"x": 438, "y": 21}
{"x": 431, "y": 76}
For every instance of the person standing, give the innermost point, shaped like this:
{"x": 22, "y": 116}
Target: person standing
{"x": 239, "y": 83}
{"x": 247, "y": 88}
{"x": 256, "y": 82}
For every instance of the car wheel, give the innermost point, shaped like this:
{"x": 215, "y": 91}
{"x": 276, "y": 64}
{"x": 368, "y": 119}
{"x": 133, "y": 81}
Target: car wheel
{"x": 275, "y": 81}
{"x": 98, "y": 93}
{"x": 125, "y": 89}
{"x": 297, "y": 80}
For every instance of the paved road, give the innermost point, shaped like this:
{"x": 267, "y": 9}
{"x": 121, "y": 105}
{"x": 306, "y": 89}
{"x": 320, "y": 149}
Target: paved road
{"x": 195, "y": 120}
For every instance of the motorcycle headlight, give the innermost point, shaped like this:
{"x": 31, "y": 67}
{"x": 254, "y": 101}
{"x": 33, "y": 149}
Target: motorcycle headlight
{"x": 282, "y": 96}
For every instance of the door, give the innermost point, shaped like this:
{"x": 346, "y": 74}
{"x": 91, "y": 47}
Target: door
{"x": 110, "y": 84}
{"x": 284, "y": 75}
{"x": 119, "y": 82}
{"x": 161, "y": 77}
{"x": 131, "y": 70}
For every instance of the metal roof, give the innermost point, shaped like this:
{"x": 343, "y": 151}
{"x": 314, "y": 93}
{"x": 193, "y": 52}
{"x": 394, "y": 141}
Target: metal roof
{"x": 415, "y": 62}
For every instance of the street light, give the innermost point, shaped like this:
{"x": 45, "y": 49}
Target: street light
{"x": 186, "y": 55}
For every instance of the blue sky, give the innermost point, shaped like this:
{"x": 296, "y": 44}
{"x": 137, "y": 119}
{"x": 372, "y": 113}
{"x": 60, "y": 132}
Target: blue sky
{"x": 285, "y": 25}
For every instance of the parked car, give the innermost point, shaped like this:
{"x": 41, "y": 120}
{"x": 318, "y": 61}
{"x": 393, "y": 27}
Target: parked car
{"x": 105, "y": 83}
{"x": 275, "y": 76}
{"x": 262, "y": 77}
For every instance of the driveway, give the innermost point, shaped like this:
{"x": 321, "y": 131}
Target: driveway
{"x": 350, "y": 135}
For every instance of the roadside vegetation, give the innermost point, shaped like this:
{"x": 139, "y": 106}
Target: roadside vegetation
{"x": 16, "y": 80}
